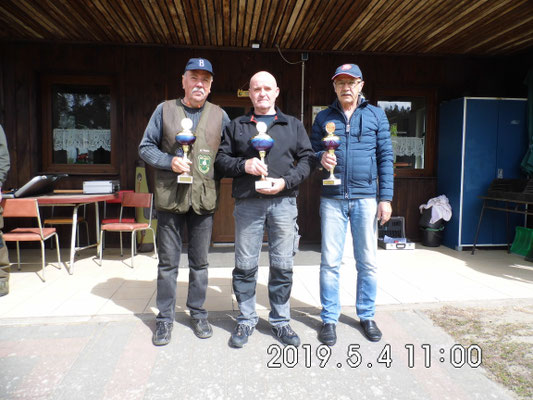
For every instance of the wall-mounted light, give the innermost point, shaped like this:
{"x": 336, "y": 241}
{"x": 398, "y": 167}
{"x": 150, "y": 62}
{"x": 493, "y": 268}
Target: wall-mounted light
{"x": 256, "y": 45}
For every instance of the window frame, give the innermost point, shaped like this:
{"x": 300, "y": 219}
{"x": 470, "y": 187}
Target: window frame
{"x": 430, "y": 150}
{"x": 77, "y": 169}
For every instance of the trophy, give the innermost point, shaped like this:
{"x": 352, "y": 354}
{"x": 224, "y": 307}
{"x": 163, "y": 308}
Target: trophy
{"x": 185, "y": 138}
{"x": 331, "y": 142}
{"x": 262, "y": 143}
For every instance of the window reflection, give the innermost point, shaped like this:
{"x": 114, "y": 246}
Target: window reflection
{"x": 407, "y": 117}
{"x": 81, "y": 124}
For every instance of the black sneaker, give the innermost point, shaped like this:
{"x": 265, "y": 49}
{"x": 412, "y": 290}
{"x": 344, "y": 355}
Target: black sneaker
{"x": 202, "y": 328}
{"x": 286, "y": 335}
{"x": 239, "y": 337}
{"x": 327, "y": 334}
{"x": 162, "y": 333}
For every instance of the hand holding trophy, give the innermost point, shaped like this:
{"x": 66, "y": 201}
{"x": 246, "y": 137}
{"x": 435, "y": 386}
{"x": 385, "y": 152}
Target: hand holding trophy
{"x": 185, "y": 138}
{"x": 262, "y": 142}
{"x": 331, "y": 142}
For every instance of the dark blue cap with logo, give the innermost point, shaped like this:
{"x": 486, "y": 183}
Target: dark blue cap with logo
{"x": 199, "y": 63}
{"x": 348, "y": 69}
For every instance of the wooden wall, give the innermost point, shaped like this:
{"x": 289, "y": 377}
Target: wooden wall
{"x": 148, "y": 75}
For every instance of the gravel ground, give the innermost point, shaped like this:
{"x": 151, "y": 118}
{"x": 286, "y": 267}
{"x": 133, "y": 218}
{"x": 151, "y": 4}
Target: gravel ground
{"x": 504, "y": 333}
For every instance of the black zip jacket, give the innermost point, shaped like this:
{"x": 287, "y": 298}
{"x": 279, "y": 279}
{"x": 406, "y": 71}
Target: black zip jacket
{"x": 290, "y": 157}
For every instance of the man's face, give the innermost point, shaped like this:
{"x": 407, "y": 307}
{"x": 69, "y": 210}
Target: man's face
{"x": 347, "y": 88}
{"x": 197, "y": 86}
{"x": 263, "y": 92}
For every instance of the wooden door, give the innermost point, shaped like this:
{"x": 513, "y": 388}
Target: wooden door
{"x": 223, "y": 224}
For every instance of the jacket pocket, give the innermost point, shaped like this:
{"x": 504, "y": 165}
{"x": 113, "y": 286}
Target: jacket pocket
{"x": 208, "y": 197}
{"x": 165, "y": 191}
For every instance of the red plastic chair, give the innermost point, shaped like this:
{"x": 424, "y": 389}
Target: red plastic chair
{"x": 131, "y": 199}
{"x": 29, "y": 208}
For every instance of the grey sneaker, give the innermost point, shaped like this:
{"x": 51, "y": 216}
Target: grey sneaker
{"x": 239, "y": 337}
{"x": 162, "y": 333}
{"x": 286, "y": 335}
{"x": 202, "y": 328}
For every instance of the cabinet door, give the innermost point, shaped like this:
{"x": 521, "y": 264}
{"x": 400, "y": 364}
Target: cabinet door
{"x": 479, "y": 166}
{"x": 512, "y": 138}
{"x": 512, "y": 143}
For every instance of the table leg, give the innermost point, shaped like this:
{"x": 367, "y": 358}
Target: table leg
{"x": 478, "y": 226}
{"x": 73, "y": 237}
{"x": 507, "y": 227}
{"x": 97, "y": 224}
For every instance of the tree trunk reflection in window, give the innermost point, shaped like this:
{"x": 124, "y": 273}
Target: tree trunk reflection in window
{"x": 407, "y": 118}
{"x": 81, "y": 124}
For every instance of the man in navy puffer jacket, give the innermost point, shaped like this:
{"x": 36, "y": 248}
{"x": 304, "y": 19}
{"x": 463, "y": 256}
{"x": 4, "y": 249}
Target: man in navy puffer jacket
{"x": 364, "y": 163}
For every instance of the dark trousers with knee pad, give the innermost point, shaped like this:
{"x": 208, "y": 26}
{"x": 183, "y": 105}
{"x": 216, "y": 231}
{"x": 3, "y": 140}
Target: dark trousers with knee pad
{"x": 252, "y": 216}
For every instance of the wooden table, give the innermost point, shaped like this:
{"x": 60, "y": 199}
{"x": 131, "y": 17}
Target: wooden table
{"x": 76, "y": 201}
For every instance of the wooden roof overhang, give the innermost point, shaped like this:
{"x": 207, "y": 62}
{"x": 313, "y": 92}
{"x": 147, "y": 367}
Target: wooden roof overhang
{"x": 430, "y": 27}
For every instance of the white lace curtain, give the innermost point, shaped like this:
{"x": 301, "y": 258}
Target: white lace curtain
{"x": 88, "y": 139}
{"x": 408, "y": 146}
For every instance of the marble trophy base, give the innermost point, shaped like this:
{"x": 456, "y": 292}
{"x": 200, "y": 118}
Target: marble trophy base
{"x": 185, "y": 179}
{"x": 263, "y": 184}
{"x": 331, "y": 182}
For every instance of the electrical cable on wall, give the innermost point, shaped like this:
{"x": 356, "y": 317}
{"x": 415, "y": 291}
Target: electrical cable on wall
{"x": 304, "y": 58}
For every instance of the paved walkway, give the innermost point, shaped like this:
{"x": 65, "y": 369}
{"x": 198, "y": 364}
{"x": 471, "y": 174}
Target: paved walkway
{"x": 88, "y": 336}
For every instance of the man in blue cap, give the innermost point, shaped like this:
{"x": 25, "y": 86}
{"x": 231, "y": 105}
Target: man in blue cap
{"x": 181, "y": 205}
{"x": 364, "y": 163}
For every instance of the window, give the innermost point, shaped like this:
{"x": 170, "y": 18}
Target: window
{"x": 411, "y": 116}
{"x": 79, "y": 117}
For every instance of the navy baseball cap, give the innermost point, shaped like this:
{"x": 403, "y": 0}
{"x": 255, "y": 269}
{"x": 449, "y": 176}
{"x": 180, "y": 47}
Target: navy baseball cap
{"x": 199, "y": 63}
{"x": 348, "y": 69}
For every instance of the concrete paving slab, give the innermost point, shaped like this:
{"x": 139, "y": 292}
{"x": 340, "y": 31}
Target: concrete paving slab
{"x": 113, "y": 358}
{"x": 88, "y": 335}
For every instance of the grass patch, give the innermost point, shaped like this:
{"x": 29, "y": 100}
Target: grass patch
{"x": 505, "y": 336}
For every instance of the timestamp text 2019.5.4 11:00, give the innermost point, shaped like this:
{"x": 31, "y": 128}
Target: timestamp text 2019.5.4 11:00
{"x": 457, "y": 355}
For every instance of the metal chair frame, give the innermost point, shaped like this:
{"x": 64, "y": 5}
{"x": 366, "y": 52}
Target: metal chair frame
{"x": 29, "y": 208}
{"x": 107, "y": 220}
{"x": 131, "y": 199}
{"x": 68, "y": 221}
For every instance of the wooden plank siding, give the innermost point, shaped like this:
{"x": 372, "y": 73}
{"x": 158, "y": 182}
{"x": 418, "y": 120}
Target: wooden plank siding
{"x": 147, "y": 75}
{"x": 436, "y": 27}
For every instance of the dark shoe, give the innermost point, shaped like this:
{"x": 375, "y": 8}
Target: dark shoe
{"x": 239, "y": 337}
{"x": 202, "y": 328}
{"x": 327, "y": 334}
{"x": 286, "y": 335}
{"x": 162, "y": 333}
{"x": 371, "y": 330}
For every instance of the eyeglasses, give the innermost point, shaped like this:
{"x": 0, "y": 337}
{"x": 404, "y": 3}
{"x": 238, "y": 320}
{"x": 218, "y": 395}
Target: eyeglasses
{"x": 351, "y": 84}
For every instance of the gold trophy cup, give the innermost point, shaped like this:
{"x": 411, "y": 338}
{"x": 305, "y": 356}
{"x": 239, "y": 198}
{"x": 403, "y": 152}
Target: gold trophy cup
{"x": 331, "y": 142}
{"x": 185, "y": 138}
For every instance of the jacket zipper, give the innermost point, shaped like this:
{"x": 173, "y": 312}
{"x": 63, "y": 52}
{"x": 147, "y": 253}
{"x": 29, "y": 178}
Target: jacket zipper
{"x": 346, "y": 156}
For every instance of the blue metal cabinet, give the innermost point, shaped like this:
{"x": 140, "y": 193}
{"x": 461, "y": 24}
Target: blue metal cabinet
{"x": 480, "y": 139}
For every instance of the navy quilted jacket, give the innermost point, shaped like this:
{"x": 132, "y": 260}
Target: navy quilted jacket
{"x": 364, "y": 157}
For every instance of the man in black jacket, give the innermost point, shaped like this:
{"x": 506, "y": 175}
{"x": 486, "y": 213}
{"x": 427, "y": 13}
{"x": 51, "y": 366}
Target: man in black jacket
{"x": 286, "y": 165}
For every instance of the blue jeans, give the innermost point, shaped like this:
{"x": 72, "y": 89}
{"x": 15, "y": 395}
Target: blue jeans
{"x": 335, "y": 215}
{"x": 278, "y": 215}
{"x": 169, "y": 245}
